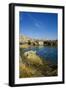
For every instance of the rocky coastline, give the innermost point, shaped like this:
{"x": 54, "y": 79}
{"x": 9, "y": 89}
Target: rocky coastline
{"x": 31, "y": 65}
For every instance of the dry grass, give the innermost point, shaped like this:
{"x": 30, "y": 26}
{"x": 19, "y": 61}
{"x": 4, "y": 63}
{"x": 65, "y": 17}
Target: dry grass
{"x": 26, "y": 71}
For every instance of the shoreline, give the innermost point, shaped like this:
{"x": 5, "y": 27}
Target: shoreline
{"x": 28, "y": 46}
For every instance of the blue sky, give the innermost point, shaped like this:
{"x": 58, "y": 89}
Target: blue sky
{"x": 39, "y": 25}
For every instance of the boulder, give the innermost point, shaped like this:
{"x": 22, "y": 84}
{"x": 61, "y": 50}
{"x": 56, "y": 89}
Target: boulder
{"x": 33, "y": 58}
{"x": 29, "y": 53}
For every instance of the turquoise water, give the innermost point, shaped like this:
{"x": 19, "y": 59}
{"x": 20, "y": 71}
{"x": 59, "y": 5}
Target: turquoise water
{"x": 45, "y": 52}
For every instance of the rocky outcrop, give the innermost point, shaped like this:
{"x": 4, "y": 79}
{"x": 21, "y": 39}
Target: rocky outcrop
{"x": 35, "y": 42}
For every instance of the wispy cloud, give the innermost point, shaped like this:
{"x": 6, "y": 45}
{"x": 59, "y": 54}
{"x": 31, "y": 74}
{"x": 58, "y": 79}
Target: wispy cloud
{"x": 37, "y": 25}
{"x": 36, "y": 22}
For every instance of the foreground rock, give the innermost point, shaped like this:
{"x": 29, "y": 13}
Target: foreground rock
{"x": 33, "y": 58}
